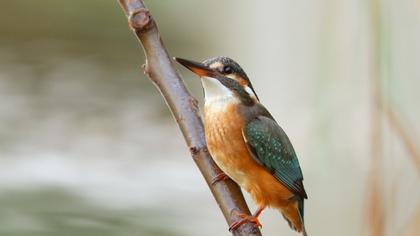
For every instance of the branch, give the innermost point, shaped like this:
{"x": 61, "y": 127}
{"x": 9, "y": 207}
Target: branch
{"x": 160, "y": 69}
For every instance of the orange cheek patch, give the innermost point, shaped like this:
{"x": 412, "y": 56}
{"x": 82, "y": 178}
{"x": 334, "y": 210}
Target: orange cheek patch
{"x": 242, "y": 82}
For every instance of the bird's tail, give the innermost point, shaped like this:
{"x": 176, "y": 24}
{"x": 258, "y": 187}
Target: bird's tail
{"x": 300, "y": 211}
{"x": 294, "y": 216}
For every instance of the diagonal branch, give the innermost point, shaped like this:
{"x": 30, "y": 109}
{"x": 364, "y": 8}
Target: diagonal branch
{"x": 160, "y": 69}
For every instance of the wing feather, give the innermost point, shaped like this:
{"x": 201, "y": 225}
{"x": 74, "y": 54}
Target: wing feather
{"x": 271, "y": 148}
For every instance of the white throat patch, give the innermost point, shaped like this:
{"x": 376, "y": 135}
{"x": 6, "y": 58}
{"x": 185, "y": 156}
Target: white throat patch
{"x": 215, "y": 91}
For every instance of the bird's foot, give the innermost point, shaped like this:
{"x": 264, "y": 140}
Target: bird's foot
{"x": 247, "y": 219}
{"x": 219, "y": 177}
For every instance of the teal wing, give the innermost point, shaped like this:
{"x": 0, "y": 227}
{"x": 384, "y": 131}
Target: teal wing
{"x": 271, "y": 148}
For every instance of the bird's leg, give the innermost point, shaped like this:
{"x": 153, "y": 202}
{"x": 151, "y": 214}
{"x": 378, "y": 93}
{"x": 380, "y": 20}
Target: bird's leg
{"x": 219, "y": 177}
{"x": 246, "y": 218}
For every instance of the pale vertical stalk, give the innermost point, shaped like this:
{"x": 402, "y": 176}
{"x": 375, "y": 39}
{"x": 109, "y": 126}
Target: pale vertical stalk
{"x": 375, "y": 205}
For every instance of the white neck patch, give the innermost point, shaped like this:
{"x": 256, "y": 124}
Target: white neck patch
{"x": 250, "y": 92}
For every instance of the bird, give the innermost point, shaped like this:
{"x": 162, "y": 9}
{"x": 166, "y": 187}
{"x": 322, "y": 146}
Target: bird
{"x": 247, "y": 143}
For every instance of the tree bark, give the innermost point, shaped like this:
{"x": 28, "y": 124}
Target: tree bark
{"x": 160, "y": 69}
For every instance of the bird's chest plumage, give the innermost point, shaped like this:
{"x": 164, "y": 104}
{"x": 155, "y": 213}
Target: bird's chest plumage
{"x": 223, "y": 129}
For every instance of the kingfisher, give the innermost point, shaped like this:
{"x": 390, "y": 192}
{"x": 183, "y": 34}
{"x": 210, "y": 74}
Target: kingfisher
{"x": 247, "y": 143}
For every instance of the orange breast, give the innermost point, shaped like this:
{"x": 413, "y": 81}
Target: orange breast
{"x": 223, "y": 128}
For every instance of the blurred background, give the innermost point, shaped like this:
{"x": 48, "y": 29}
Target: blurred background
{"x": 88, "y": 147}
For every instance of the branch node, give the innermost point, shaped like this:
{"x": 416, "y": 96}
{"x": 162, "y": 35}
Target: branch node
{"x": 194, "y": 103}
{"x": 140, "y": 20}
{"x": 145, "y": 68}
{"x": 195, "y": 150}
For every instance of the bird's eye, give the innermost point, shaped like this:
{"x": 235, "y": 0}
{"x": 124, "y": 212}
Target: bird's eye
{"x": 227, "y": 70}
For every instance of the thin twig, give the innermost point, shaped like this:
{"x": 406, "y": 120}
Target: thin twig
{"x": 160, "y": 69}
{"x": 405, "y": 137}
{"x": 375, "y": 205}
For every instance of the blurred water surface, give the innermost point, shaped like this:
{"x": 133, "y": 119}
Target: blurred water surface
{"x": 87, "y": 146}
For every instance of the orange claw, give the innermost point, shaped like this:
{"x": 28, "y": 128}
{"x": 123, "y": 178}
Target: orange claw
{"x": 246, "y": 218}
{"x": 219, "y": 177}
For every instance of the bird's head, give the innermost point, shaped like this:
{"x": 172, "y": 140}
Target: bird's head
{"x": 222, "y": 78}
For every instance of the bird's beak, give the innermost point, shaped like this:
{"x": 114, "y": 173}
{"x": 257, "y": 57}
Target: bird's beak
{"x": 198, "y": 68}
